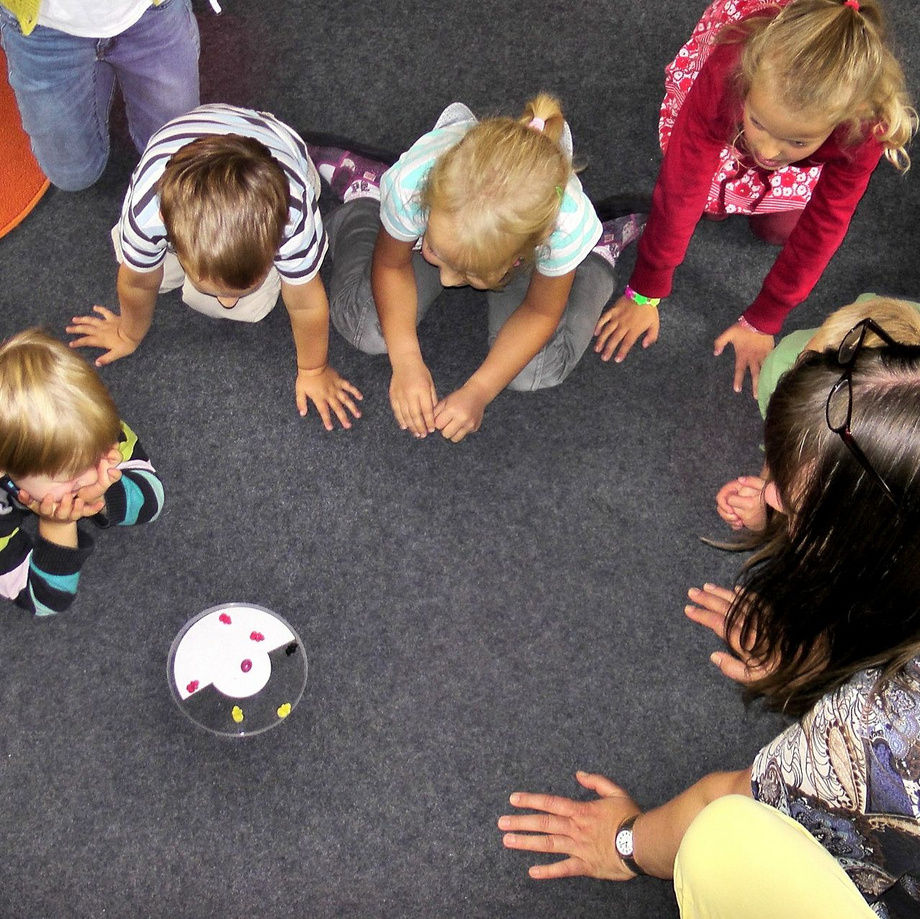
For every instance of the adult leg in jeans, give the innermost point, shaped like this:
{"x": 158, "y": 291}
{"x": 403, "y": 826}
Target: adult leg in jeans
{"x": 591, "y": 291}
{"x": 156, "y": 62}
{"x": 352, "y": 230}
{"x": 63, "y": 97}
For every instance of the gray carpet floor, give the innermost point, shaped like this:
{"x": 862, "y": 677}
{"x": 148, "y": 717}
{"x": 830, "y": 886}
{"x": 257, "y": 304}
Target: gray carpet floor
{"x": 478, "y": 618}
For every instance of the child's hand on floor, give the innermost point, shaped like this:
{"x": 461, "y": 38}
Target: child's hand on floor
{"x": 751, "y": 350}
{"x": 740, "y": 503}
{"x": 107, "y": 333}
{"x": 622, "y": 326}
{"x": 413, "y": 396}
{"x": 329, "y": 393}
{"x": 461, "y": 412}
{"x": 710, "y": 608}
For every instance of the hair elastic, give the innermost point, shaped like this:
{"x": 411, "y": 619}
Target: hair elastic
{"x": 852, "y": 4}
{"x": 538, "y": 124}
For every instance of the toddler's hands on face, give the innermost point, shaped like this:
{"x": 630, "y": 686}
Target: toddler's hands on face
{"x": 740, "y": 503}
{"x": 107, "y": 474}
{"x": 68, "y": 509}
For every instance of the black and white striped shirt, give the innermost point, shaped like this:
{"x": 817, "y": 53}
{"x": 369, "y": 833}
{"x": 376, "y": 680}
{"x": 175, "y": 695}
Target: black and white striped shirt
{"x": 143, "y": 236}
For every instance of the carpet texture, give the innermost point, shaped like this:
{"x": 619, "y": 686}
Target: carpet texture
{"x": 478, "y": 618}
{"x": 22, "y": 183}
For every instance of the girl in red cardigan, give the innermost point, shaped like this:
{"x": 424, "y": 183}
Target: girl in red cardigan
{"x": 777, "y": 110}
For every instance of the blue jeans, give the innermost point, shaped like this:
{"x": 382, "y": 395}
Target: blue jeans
{"x": 64, "y": 86}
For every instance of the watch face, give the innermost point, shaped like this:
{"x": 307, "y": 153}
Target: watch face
{"x": 624, "y": 843}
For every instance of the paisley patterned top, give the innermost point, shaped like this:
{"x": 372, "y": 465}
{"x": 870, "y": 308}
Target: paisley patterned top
{"x": 849, "y": 772}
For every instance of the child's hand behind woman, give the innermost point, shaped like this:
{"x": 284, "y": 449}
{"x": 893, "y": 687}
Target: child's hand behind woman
{"x": 740, "y": 503}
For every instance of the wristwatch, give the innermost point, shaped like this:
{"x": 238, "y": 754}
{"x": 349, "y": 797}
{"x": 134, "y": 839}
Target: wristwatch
{"x": 625, "y": 846}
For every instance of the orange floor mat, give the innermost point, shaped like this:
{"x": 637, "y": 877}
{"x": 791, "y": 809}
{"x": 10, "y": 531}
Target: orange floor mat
{"x": 22, "y": 183}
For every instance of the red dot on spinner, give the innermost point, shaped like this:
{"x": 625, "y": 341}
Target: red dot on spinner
{"x": 246, "y": 665}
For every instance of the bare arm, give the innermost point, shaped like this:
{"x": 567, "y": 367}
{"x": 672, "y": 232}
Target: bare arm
{"x": 584, "y": 831}
{"x": 120, "y": 335}
{"x": 412, "y": 390}
{"x": 526, "y": 331}
{"x": 308, "y": 310}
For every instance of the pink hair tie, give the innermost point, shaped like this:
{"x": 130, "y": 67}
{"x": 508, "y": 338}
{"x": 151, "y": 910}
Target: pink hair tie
{"x": 538, "y": 124}
{"x": 852, "y": 4}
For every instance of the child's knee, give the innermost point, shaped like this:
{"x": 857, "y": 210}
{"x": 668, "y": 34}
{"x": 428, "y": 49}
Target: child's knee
{"x": 357, "y": 323}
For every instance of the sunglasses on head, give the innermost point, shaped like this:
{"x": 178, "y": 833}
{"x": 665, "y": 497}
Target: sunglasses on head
{"x": 839, "y": 408}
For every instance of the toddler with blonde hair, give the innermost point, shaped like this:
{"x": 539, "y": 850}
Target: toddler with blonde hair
{"x": 493, "y": 204}
{"x": 740, "y": 502}
{"x": 65, "y": 456}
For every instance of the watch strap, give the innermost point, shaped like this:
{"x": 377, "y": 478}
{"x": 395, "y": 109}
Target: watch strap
{"x": 628, "y": 859}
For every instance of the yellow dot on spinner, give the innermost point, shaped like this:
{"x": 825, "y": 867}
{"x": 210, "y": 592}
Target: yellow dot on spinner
{"x": 236, "y": 713}
{"x": 284, "y": 710}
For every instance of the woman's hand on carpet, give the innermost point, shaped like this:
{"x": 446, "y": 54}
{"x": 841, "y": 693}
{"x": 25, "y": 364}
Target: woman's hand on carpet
{"x": 583, "y": 831}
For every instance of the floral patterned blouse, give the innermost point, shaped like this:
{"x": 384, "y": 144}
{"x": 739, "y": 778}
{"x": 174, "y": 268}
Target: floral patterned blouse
{"x": 849, "y": 772}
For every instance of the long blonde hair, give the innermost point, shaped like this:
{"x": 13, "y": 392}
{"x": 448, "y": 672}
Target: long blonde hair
{"x": 56, "y": 416}
{"x": 829, "y": 57}
{"x": 899, "y": 318}
{"x": 501, "y": 188}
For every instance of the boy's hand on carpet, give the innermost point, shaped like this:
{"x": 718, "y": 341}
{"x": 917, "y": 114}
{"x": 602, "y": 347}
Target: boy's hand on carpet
{"x": 329, "y": 392}
{"x": 106, "y": 332}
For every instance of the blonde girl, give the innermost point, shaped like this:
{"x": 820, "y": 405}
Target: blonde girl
{"x": 495, "y": 205}
{"x": 780, "y": 111}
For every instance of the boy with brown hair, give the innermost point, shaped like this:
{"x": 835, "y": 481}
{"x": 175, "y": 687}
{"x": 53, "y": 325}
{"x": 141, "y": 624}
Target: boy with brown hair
{"x": 65, "y": 455}
{"x": 224, "y": 203}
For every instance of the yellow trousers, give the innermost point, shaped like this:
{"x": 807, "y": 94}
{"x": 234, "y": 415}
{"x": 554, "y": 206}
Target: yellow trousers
{"x": 741, "y": 859}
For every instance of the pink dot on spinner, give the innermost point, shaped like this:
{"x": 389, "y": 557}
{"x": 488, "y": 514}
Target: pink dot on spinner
{"x": 246, "y": 665}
